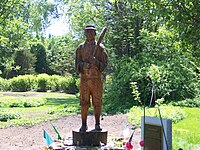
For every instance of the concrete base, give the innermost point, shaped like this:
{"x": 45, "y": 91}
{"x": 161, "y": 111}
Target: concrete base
{"x": 89, "y": 138}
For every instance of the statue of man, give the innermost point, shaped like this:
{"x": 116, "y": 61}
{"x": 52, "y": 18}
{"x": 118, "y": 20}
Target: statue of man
{"x": 91, "y": 60}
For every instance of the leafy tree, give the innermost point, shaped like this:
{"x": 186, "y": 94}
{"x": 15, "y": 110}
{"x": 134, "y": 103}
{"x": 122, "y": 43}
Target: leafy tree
{"x": 41, "y": 57}
{"x": 61, "y": 55}
{"x": 25, "y": 60}
{"x": 161, "y": 64}
{"x": 11, "y": 9}
{"x": 40, "y": 13}
{"x": 85, "y": 12}
{"x": 21, "y": 21}
{"x": 12, "y": 31}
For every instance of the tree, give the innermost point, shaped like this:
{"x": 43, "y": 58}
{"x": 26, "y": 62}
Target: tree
{"x": 13, "y": 31}
{"x": 39, "y": 52}
{"x": 40, "y": 14}
{"x": 21, "y": 21}
{"x": 84, "y": 12}
{"x": 61, "y": 55}
{"x": 25, "y": 61}
{"x": 161, "y": 65}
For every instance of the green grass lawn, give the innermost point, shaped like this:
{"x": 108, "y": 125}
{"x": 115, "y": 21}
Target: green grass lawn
{"x": 34, "y": 115}
{"x": 186, "y": 133}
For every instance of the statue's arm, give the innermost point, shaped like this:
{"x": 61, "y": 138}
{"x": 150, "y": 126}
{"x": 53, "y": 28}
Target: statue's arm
{"x": 103, "y": 63}
{"x": 100, "y": 62}
{"x": 79, "y": 63}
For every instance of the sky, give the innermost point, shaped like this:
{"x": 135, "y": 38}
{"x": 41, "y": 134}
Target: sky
{"x": 59, "y": 27}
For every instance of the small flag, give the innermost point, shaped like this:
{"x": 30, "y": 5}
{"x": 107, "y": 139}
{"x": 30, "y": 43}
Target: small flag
{"x": 130, "y": 139}
{"x": 129, "y": 146}
{"x": 126, "y": 133}
{"x": 48, "y": 139}
{"x": 59, "y": 136}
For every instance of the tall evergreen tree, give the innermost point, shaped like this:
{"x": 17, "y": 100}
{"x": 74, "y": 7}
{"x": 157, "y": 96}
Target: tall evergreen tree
{"x": 25, "y": 61}
{"x": 41, "y": 57}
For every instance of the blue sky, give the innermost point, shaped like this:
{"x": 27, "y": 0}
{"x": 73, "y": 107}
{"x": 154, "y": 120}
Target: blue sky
{"x": 59, "y": 26}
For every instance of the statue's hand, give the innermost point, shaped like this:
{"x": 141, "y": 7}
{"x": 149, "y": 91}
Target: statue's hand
{"x": 86, "y": 65}
{"x": 92, "y": 59}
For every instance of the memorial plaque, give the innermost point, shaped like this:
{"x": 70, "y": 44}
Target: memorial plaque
{"x": 153, "y": 137}
{"x": 153, "y": 131}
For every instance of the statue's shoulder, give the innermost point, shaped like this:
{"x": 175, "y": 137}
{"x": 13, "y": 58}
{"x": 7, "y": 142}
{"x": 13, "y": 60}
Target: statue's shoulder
{"x": 80, "y": 46}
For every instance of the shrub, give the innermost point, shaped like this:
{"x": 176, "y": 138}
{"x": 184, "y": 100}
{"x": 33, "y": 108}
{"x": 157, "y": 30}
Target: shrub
{"x": 160, "y": 64}
{"x": 22, "y": 83}
{"x": 55, "y": 82}
{"x": 69, "y": 84}
{"x": 8, "y": 114}
{"x": 72, "y": 88}
{"x": 188, "y": 102}
{"x": 118, "y": 92}
{"x": 6, "y": 101}
{"x": 22, "y": 101}
{"x": 42, "y": 82}
{"x": 34, "y": 101}
{"x": 169, "y": 112}
{"x": 18, "y": 84}
{"x": 63, "y": 84}
{"x": 3, "y": 84}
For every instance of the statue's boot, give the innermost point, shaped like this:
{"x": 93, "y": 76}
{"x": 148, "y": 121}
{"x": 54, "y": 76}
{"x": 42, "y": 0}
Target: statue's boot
{"x": 97, "y": 114}
{"x": 83, "y": 128}
{"x": 98, "y": 127}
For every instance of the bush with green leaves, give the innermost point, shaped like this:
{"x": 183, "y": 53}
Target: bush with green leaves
{"x": 22, "y": 83}
{"x": 8, "y": 114}
{"x": 72, "y": 85}
{"x": 6, "y": 101}
{"x": 4, "y": 85}
{"x": 159, "y": 64}
{"x": 34, "y": 101}
{"x": 42, "y": 82}
{"x": 9, "y": 101}
{"x": 118, "y": 93}
{"x": 55, "y": 82}
{"x": 188, "y": 102}
{"x": 69, "y": 84}
{"x": 168, "y": 112}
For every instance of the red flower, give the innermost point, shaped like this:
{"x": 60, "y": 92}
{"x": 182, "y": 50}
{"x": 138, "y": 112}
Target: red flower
{"x": 129, "y": 146}
{"x": 141, "y": 143}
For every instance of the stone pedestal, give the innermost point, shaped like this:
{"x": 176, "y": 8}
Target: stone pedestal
{"x": 89, "y": 138}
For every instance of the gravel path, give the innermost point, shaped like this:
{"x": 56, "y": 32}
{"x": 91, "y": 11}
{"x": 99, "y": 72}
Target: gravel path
{"x": 31, "y": 138}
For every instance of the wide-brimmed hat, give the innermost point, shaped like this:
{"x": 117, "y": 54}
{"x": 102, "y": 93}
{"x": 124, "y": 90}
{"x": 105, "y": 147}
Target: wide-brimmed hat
{"x": 90, "y": 27}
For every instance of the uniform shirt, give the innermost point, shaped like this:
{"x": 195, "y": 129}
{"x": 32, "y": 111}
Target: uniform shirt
{"x": 86, "y": 50}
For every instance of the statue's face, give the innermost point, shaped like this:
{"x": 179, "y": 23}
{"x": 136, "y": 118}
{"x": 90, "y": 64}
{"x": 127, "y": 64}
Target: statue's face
{"x": 90, "y": 34}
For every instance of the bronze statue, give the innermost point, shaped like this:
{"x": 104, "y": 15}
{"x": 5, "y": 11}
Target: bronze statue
{"x": 91, "y": 60}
